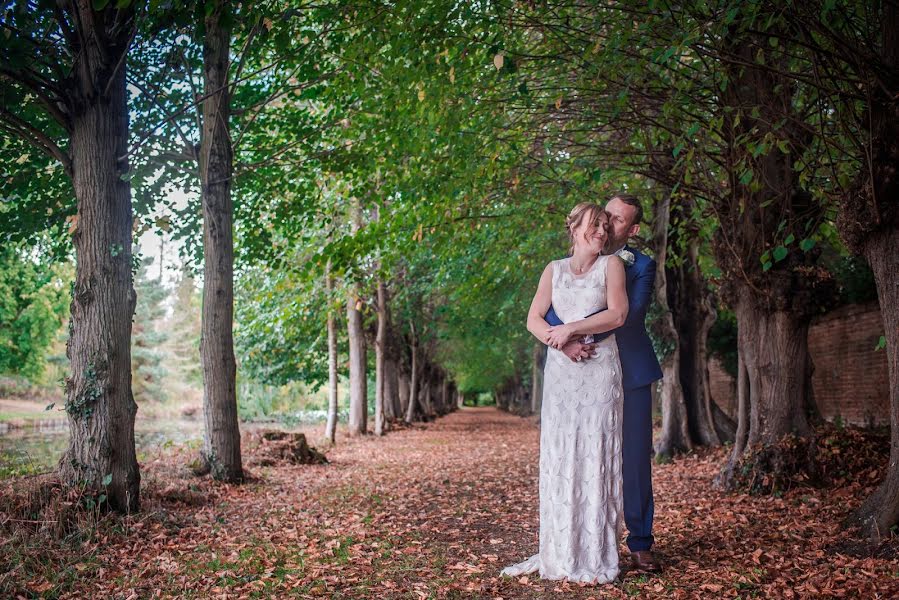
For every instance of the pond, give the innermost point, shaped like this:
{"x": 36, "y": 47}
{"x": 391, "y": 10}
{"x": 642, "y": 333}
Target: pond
{"x": 34, "y": 446}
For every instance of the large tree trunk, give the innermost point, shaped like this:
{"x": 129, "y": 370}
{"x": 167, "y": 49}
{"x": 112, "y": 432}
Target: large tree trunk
{"x": 675, "y": 436}
{"x": 880, "y": 511}
{"x": 775, "y": 302}
{"x": 869, "y": 222}
{"x": 380, "y": 353}
{"x": 99, "y": 402}
{"x": 221, "y": 449}
{"x": 772, "y": 345}
{"x": 331, "y": 426}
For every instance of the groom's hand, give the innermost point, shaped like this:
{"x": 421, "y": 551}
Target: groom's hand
{"x": 577, "y": 351}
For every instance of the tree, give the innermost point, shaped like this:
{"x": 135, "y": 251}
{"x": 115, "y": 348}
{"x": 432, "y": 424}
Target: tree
{"x": 358, "y": 420}
{"x": 65, "y": 64}
{"x": 221, "y": 449}
{"x": 853, "y": 49}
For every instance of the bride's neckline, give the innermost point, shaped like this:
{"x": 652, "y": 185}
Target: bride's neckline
{"x": 585, "y": 273}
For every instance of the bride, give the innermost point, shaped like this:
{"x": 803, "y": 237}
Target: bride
{"x": 580, "y": 421}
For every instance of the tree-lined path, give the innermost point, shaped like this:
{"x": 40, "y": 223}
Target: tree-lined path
{"x": 435, "y": 511}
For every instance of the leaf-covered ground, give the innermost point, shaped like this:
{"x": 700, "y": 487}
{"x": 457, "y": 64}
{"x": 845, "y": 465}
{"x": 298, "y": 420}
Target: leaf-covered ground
{"x": 435, "y": 511}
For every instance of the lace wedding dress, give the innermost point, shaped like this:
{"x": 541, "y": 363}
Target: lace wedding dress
{"x": 580, "y": 446}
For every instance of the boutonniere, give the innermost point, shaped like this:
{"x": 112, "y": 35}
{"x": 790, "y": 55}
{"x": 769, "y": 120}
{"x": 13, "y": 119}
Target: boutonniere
{"x": 628, "y": 257}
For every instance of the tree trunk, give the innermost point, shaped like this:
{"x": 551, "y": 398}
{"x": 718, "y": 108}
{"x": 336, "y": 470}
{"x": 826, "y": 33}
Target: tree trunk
{"x": 380, "y": 352}
{"x": 358, "y": 419}
{"x": 221, "y": 449}
{"x": 772, "y": 346}
{"x": 741, "y": 435}
{"x": 774, "y": 303}
{"x": 331, "y": 426}
{"x": 675, "y": 436}
{"x": 694, "y": 316}
{"x": 880, "y": 511}
{"x": 424, "y": 399}
{"x": 99, "y": 403}
{"x": 403, "y": 391}
{"x": 391, "y": 391}
{"x": 358, "y": 386}
{"x": 869, "y": 223}
{"x": 413, "y": 380}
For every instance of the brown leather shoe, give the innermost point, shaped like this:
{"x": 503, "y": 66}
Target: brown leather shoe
{"x": 643, "y": 561}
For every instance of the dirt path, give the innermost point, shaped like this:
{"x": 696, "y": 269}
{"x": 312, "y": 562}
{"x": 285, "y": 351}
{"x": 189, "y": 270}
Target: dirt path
{"x": 435, "y": 512}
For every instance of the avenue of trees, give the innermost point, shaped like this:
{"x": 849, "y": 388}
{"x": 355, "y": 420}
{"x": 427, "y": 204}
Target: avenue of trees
{"x": 393, "y": 177}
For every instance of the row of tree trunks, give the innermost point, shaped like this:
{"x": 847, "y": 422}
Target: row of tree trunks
{"x": 514, "y": 396}
{"x": 675, "y": 436}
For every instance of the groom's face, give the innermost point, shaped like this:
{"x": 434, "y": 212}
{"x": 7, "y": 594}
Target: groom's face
{"x": 621, "y": 223}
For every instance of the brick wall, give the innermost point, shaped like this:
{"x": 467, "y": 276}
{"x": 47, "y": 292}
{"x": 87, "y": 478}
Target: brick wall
{"x": 850, "y": 379}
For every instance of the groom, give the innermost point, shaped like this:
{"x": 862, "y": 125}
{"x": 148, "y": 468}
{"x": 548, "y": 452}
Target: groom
{"x": 640, "y": 368}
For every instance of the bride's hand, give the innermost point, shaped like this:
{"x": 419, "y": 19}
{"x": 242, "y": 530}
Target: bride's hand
{"x": 558, "y": 336}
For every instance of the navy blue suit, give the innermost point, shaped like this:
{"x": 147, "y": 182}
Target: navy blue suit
{"x": 639, "y": 368}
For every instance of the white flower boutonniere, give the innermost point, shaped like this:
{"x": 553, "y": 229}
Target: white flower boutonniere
{"x": 628, "y": 257}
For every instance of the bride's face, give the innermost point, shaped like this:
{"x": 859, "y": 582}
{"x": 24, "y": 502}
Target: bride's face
{"x": 593, "y": 233}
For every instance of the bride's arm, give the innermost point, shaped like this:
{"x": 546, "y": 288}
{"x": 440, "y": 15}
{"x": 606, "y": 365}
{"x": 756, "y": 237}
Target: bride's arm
{"x": 536, "y": 323}
{"x": 611, "y": 318}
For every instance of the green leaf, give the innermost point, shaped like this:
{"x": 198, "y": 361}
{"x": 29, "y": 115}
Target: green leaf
{"x": 780, "y": 253}
{"x": 50, "y": 406}
{"x": 766, "y": 266}
{"x": 790, "y": 239}
{"x": 108, "y": 479}
{"x": 746, "y": 177}
{"x": 881, "y": 343}
{"x": 806, "y": 244}
{"x": 100, "y": 4}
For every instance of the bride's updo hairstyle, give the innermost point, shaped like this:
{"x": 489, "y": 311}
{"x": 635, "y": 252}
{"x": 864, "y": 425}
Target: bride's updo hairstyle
{"x": 584, "y": 210}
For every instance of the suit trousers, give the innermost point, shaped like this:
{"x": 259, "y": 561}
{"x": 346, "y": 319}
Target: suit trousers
{"x": 636, "y": 464}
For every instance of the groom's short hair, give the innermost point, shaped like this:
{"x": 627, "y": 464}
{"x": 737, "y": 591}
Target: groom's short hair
{"x": 631, "y": 200}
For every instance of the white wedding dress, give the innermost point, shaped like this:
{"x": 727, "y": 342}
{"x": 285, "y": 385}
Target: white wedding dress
{"x": 580, "y": 446}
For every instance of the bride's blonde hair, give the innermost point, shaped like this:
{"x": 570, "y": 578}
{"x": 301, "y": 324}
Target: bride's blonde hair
{"x": 583, "y": 210}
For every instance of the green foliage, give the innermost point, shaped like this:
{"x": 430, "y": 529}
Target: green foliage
{"x": 33, "y": 303}
{"x": 147, "y": 359}
{"x": 181, "y": 331}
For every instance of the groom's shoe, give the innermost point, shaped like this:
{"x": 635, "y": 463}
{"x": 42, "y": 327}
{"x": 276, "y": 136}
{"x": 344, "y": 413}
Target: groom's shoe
{"x": 643, "y": 561}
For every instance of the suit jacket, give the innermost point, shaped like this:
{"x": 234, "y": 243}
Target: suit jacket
{"x": 639, "y": 365}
